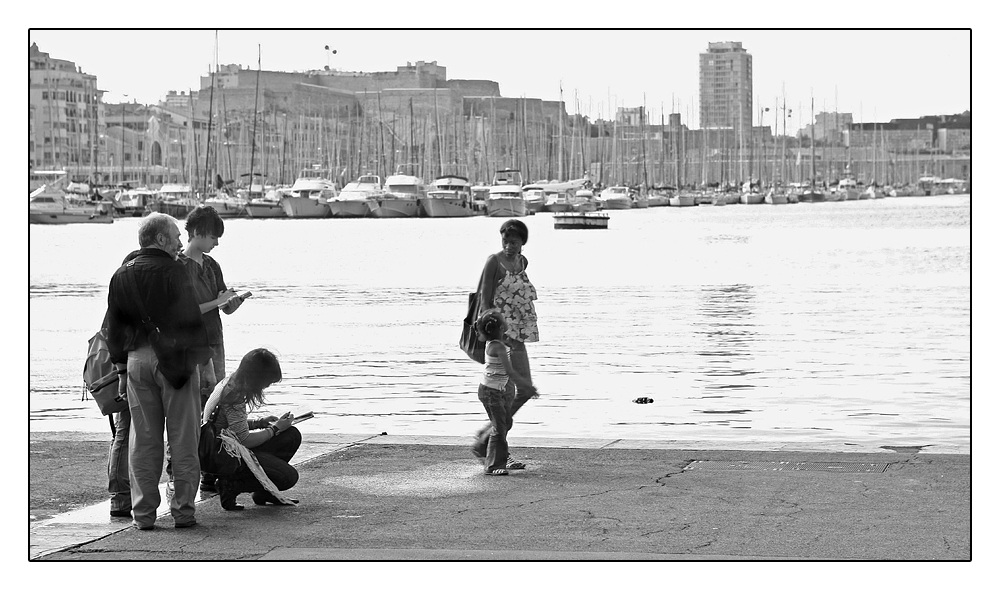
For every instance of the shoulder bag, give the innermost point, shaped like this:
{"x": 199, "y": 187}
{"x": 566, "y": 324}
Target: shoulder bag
{"x": 470, "y": 342}
{"x": 216, "y": 455}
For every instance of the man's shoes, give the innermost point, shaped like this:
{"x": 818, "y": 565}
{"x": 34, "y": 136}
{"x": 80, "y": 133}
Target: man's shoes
{"x": 121, "y": 513}
{"x": 143, "y": 527}
{"x": 185, "y": 525}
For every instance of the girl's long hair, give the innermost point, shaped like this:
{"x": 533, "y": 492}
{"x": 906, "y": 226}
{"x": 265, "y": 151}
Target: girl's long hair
{"x": 258, "y": 370}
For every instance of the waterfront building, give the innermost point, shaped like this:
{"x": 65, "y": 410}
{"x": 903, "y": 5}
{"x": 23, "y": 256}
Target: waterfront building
{"x": 725, "y": 88}
{"x": 65, "y": 118}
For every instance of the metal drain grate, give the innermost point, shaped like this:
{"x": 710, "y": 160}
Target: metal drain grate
{"x": 830, "y": 467}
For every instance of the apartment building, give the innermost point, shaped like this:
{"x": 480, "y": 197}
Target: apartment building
{"x": 725, "y": 88}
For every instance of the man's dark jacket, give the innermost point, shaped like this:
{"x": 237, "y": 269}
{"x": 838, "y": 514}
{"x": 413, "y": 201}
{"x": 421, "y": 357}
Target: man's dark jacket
{"x": 170, "y": 302}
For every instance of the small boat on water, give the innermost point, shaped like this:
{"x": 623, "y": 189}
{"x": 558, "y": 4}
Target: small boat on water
{"x": 506, "y": 199}
{"x": 401, "y": 196}
{"x": 450, "y": 196}
{"x": 226, "y": 204}
{"x": 353, "y": 198}
{"x": 558, "y": 203}
{"x": 534, "y": 197}
{"x": 683, "y": 199}
{"x": 658, "y": 196}
{"x": 309, "y": 195}
{"x": 176, "y": 200}
{"x": 269, "y": 205}
{"x": 639, "y": 198}
{"x": 776, "y": 197}
{"x": 587, "y": 220}
{"x": 848, "y": 187}
{"x": 583, "y": 201}
{"x": 134, "y": 202}
{"x": 52, "y": 205}
{"x": 751, "y": 195}
{"x": 614, "y": 197}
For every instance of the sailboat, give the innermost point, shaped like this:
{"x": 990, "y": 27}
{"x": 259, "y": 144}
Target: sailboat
{"x": 812, "y": 194}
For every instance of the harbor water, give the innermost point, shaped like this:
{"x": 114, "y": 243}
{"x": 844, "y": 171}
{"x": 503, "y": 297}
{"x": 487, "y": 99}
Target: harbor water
{"x": 830, "y": 323}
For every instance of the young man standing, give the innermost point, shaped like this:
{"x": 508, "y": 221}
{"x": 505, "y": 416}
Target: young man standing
{"x": 204, "y": 227}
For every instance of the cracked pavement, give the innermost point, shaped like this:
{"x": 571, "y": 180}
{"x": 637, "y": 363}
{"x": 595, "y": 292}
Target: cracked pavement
{"x": 432, "y": 502}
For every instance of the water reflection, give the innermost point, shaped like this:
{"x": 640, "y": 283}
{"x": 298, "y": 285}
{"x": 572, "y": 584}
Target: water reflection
{"x": 725, "y": 324}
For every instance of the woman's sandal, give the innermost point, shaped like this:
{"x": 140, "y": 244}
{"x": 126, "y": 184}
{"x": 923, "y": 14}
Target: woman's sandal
{"x": 497, "y": 472}
{"x": 514, "y": 464}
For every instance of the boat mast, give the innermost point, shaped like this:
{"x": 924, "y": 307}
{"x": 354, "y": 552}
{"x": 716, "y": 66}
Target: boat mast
{"x": 560, "y": 158}
{"x": 208, "y": 141}
{"x": 253, "y": 135}
{"x": 812, "y": 143}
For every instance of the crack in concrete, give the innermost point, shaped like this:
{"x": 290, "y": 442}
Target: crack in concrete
{"x": 659, "y": 481}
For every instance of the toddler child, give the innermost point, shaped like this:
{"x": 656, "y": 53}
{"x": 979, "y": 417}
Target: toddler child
{"x": 493, "y": 391}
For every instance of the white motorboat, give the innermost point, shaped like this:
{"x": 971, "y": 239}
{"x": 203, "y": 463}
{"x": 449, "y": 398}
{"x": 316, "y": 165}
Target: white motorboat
{"x": 401, "y": 196}
{"x": 268, "y": 206}
{"x": 658, "y": 196}
{"x": 450, "y": 196}
{"x": 558, "y": 203}
{"x": 309, "y": 195}
{"x": 534, "y": 197}
{"x": 683, "y": 200}
{"x": 176, "y": 200}
{"x": 639, "y": 199}
{"x": 847, "y": 190}
{"x": 134, "y": 202}
{"x": 353, "y": 198}
{"x": 775, "y": 197}
{"x": 614, "y": 197}
{"x": 583, "y": 201}
{"x": 52, "y": 205}
{"x": 226, "y": 204}
{"x": 506, "y": 199}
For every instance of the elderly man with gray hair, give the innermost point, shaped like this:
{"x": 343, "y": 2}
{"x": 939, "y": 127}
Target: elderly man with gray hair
{"x": 155, "y": 330}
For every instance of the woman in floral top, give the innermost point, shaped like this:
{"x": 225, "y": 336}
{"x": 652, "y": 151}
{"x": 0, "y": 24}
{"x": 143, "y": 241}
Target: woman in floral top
{"x": 504, "y": 285}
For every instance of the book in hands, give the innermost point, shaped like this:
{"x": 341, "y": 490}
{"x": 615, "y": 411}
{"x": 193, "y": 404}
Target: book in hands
{"x": 235, "y": 298}
{"x": 302, "y": 417}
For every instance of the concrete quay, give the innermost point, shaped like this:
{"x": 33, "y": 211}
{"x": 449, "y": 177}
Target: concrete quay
{"x": 405, "y": 498}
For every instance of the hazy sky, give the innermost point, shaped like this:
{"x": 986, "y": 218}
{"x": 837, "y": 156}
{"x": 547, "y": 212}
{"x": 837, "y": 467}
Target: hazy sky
{"x": 876, "y": 75}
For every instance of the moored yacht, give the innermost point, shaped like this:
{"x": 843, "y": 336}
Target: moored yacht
{"x": 506, "y": 198}
{"x": 449, "y": 196}
{"x": 309, "y": 195}
{"x": 226, "y": 204}
{"x": 614, "y": 197}
{"x": 353, "y": 198}
{"x": 401, "y": 196}
{"x": 52, "y": 205}
{"x": 583, "y": 201}
{"x": 558, "y": 203}
{"x": 269, "y": 205}
{"x": 176, "y": 200}
{"x": 534, "y": 197}
{"x": 134, "y": 202}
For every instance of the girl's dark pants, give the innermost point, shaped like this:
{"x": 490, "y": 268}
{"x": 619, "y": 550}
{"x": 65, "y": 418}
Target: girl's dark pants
{"x": 499, "y": 407}
{"x": 273, "y": 456}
